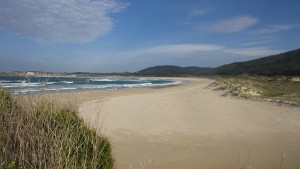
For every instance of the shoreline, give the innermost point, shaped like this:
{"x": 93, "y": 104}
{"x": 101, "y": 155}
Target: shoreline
{"x": 35, "y": 86}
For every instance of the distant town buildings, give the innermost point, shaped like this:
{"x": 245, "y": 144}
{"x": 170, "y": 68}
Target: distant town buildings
{"x": 30, "y": 74}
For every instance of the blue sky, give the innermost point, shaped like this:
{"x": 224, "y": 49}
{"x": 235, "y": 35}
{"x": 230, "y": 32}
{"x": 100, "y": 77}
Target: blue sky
{"x": 119, "y": 35}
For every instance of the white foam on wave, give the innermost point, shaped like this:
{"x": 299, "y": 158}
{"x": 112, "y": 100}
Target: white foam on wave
{"x": 98, "y": 86}
{"x": 5, "y": 81}
{"x": 137, "y": 85}
{"x": 167, "y": 84}
{"x": 133, "y": 79}
{"x": 26, "y": 91}
{"x": 31, "y": 84}
{"x": 68, "y": 82}
{"x": 24, "y": 84}
{"x": 49, "y": 83}
{"x": 152, "y": 85}
{"x": 12, "y": 81}
{"x": 103, "y": 80}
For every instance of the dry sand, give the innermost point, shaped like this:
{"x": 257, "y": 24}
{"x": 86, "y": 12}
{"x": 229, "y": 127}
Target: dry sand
{"x": 190, "y": 126}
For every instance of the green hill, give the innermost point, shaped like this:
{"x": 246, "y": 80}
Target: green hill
{"x": 281, "y": 64}
{"x": 169, "y": 70}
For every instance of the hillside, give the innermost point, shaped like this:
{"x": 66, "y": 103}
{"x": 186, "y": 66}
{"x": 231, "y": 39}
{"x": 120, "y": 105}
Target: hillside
{"x": 169, "y": 70}
{"x": 281, "y": 64}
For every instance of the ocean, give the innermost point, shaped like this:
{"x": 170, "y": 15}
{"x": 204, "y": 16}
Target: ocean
{"x": 36, "y": 85}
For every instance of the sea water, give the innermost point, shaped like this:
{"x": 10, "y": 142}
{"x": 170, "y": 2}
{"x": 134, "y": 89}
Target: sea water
{"x": 24, "y": 85}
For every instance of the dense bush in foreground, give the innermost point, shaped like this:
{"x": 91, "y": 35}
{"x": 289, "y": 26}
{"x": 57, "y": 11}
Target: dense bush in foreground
{"x": 48, "y": 136}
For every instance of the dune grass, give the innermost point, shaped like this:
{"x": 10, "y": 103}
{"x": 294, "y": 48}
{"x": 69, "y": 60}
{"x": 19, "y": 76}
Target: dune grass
{"x": 48, "y": 136}
{"x": 277, "y": 89}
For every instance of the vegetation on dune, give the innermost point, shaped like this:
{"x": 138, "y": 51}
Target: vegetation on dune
{"x": 48, "y": 136}
{"x": 277, "y": 89}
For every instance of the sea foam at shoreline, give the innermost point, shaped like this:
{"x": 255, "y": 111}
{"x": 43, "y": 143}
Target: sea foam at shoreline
{"x": 24, "y": 85}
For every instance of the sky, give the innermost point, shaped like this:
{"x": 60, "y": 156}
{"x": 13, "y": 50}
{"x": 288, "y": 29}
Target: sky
{"x": 130, "y": 35}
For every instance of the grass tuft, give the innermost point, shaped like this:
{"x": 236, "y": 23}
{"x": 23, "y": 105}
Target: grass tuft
{"x": 48, "y": 136}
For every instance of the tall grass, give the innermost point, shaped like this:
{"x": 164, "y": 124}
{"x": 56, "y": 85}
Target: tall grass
{"x": 48, "y": 136}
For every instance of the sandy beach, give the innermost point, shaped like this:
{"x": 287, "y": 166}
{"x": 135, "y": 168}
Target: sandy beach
{"x": 190, "y": 126}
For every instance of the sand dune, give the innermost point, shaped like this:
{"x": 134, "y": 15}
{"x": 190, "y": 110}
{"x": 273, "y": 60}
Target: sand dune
{"x": 190, "y": 126}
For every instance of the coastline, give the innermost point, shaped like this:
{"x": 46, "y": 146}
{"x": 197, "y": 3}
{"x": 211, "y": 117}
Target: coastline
{"x": 188, "y": 126}
{"x": 17, "y": 85}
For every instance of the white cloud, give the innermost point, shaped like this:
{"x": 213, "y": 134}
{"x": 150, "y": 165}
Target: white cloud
{"x": 256, "y": 41}
{"x": 155, "y": 53}
{"x": 231, "y": 25}
{"x": 177, "y": 49}
{"x": 273, "y": 29}
{"x": 59, "y": 20}
{"x": 259, "y": 51}
{"x": 189, "y": 49}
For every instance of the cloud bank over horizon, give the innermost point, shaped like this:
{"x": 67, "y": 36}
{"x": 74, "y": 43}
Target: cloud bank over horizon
{"x": 71, "y": 21}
